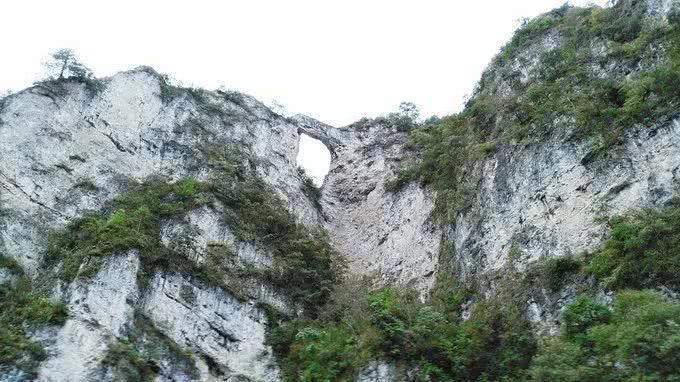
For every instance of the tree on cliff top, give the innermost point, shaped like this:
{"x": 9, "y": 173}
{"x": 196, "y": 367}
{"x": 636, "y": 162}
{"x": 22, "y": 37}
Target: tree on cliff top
{"x": 65, "y": 64}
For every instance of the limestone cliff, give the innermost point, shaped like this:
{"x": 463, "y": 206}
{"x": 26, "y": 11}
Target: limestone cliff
{"x": 68, "y": 149}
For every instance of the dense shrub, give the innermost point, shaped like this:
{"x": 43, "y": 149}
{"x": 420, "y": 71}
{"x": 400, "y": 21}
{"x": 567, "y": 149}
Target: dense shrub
{"x": 128, "y": 363}
{"x": 581, "y": 315}
{"x": 447, "y": 149}
{"x": 495, "y": 343}
{"x": 639, "y": 340}
{"x": 131, "y": 222}
{"x": 324, "y": 354}
{"x": 556, "y": 271}
{"x": 21, "y": 307}
{"x": 643, "y": 250}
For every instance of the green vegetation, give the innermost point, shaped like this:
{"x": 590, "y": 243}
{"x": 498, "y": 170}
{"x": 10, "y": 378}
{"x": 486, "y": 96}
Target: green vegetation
{"x": 556, "y": 271}
{"x": 643, "y": 250}
{"x": 305, "y": 266}
{"x": 132, "y": 222}
{"x": 86, "y": 184}
{"x": 128, "y": 364}
{"x": 310, "y": 189}
{"x": 448, "y": 149}
{"x": 21, "y": 307}
{"x": 186, "y": 293}
{"x": 637, "y": 340}
{"x": 603, "y": 92}
{"x": 356, "y": 326}
{"x": 610, "y": 69}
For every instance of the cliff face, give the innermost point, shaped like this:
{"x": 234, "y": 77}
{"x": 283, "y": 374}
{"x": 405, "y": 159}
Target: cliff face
{"x": 547, "y": 203}
{"x": 68, "y": 150}
{"x": 382, "y": 234}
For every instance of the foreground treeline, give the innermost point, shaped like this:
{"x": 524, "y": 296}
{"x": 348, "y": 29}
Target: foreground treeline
{"x": 633, "y": 337}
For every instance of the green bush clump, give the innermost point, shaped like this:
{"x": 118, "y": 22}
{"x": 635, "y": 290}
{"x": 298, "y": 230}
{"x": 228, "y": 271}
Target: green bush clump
{"x": 324, "y": 354}
{"x": 22, "y": 306}
{"x": 495, "y": 343}
{"x": 131, "y": 222}
{"x": 624, "y": 21}
{"x": 304, "y": 264}
{"x": 642, "y": 250}
{"x": 581, "y": 315}
{"x": 557, "y": 270}
{"x": 638, "y": 340}
{"x": 447, "y": 150}
{"x": 128, "y": 364}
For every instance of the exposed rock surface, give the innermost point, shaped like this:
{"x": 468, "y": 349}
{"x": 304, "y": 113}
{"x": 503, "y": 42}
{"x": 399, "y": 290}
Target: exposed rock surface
{"x": 547, "y": 200}
{"x": 544, "y": 198}
{"x": 385, "y": 234}
{"x": 100, "y": 309}
{"x": 67, "y": 150}
{"x": 228, "y": 332}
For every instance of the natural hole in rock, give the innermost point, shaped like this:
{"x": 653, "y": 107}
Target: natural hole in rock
{"x": 314, "y": 157}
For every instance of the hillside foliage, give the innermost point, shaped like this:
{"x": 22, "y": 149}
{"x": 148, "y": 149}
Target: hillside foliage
{"x": 586, "y": 74}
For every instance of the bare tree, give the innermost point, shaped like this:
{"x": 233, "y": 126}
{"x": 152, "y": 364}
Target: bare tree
{"x": 65, "y": 63}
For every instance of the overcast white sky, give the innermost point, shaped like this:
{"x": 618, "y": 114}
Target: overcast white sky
{"x": 335, "y": 61}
